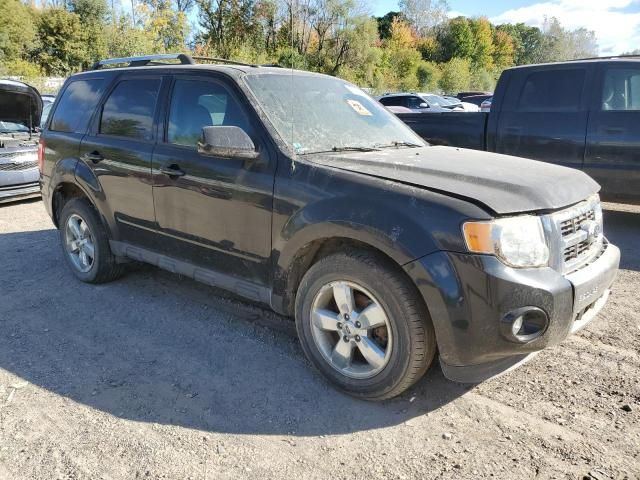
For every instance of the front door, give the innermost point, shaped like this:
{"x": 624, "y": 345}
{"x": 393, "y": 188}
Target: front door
{"x": 213, "y": 212}
{"x": 118, "y": 148}
{"x": 613, "y": 139}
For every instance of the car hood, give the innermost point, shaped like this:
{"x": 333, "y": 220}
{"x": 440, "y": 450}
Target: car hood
{"x": 503, "y": 184}
{"x": 19, "y": 103}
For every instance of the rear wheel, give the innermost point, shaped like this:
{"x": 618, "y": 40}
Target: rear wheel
{"x": 85, "y": 243}
{"x": 362, "y": 324}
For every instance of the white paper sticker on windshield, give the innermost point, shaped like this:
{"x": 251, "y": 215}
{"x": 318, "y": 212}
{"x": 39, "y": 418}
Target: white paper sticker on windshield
{"x": 359, "y": 108}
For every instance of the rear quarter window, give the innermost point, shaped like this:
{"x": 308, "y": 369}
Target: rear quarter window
{"x": 76, "y": 106}
{"x": 552, "y": 91}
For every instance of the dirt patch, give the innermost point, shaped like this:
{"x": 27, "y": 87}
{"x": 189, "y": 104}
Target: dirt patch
{"x": 156, "y": 376}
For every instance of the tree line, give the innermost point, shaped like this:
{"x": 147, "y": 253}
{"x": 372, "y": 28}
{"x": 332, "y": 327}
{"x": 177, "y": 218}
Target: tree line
{"x": 418, "y": 47}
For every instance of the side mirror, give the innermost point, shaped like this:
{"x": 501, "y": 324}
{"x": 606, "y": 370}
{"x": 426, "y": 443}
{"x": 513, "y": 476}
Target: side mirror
{"x": 228, "y": 142}
{"x": 423, "y": 105}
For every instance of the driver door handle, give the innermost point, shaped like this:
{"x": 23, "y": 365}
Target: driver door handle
{"x": 94, "y": 156}
{"x": 173, "y": 171}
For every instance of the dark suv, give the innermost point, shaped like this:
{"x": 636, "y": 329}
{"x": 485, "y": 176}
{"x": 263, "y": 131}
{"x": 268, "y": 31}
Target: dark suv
{"x": 301, "y": 192}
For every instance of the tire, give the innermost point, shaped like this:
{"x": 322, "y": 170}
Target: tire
{"x": 102, "y": 266}
{"x": 406, "y": 344}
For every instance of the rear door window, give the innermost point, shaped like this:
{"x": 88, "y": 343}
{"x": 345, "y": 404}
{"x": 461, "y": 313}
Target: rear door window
{"x": 76, "y": 106}
{"x": 393, "y": 101}
{"x": 552, "y": 91}
{"x": 129, "y": 110}
{"x": 621, "y": 89}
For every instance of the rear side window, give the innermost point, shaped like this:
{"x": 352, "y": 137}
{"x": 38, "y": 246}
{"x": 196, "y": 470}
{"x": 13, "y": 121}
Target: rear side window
{"x": 621, "y": 89}
{"x": 552, "y": 91}
{"x": 76, "y": 106}
{"x": 393, "y": 101}
{"x": 128, "y": 112}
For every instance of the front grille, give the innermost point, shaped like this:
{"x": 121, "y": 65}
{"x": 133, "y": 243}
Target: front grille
{"x": 12, "y": 167}
{"x": 575, "y": 235}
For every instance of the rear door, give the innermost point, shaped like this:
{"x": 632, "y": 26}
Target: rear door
{"x": 70, "y": 119}
{"x": 118, "y": 148}
{"x": 613, "y": 140}
{"x": 544, "y": 115}
{"x": 213, "y": 212}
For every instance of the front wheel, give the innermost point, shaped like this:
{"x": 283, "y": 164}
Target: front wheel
{"x": 362, "y": 324}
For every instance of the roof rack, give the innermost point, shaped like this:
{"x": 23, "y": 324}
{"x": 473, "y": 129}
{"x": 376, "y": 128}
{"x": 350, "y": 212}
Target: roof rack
{"x": 224, "y": 60}
{"x": 606, "y": 57}
{"x": 161, "y": 59}
{"x": 145, "y": 60}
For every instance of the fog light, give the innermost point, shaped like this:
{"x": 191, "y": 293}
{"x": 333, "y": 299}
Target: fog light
{"x": 524, "y": 324}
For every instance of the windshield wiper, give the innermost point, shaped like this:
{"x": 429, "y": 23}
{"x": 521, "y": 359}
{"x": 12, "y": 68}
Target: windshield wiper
{"x": 346, "y": 149}
{"x": 398, "y": 144}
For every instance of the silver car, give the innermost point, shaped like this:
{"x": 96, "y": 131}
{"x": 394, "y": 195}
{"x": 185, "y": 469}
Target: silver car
{"x": 20, "y": 110}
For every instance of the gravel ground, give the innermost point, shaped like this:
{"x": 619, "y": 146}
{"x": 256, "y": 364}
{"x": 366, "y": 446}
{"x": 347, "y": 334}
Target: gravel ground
{"x": 156, "y": 376}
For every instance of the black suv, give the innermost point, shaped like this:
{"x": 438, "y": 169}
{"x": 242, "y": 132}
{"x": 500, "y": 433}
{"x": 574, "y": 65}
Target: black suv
{"x": 300, "y": 191}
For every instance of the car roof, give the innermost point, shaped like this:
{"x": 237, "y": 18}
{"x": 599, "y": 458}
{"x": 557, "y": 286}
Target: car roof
{"x": 580, "y": 61}
{"x": 230, "y": 70}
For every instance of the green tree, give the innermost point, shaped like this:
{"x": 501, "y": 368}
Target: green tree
{"x": 62, "y": 47}
{"x": 385, "y": 22}
{"x": 125, "y": 40}
{"x": 527, "y": 42}
{"x": 226, "y": 24}
{"x": 559, "y": 44}
{"x": 482, "y": 58}
{"x": 93, "y": 16}
{"x": 17, "y": 30}
{"x": 456, "y": 75}
{"x": 166, "y": 25}
{"x": 428, "y": 75}
{"x": 457, "y": 39}
{"x": 482, "y": 80}
{"x": 503, "y": 53}
{"x": 400, "y": 59}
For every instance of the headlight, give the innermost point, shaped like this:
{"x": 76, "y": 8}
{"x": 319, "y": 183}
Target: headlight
{"x": 517, "y": 241}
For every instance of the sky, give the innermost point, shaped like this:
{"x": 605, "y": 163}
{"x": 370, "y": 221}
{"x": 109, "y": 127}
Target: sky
{"x": 616, "y": 22}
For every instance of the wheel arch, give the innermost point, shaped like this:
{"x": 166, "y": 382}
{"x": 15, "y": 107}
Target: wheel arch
{"x": 295, "y": 262}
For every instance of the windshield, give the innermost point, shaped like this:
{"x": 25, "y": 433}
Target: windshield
{"x": 314, "y": 113}
{"x": 12, "y": 127}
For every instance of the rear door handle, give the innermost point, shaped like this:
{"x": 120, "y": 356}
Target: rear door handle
{"x": 173, "y": 171}
{"x": 94, "y": 156}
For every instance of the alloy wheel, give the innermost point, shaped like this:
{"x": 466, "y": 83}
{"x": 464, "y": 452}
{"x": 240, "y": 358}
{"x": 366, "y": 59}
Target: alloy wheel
{"x": 351, "y": 329}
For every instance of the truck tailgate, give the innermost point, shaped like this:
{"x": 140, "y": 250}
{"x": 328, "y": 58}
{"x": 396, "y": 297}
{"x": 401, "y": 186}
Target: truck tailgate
{"x": 455, "y": 129}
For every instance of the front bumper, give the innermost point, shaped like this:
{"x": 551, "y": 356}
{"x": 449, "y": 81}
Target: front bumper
{"x": 469, "y": 295}
{"x": 19, "y": 184}
{"x": 14, "y": 193}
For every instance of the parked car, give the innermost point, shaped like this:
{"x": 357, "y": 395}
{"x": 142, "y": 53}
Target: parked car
{"x": 477, "y": 99}
{"x": 581, "y": 114}
{"x": 384, "y": 249}
{"x": 466, "y": 106}
{"x": 416, "y": 102}
{"x": 48, "y": 98}
{"x": 46, "y": 109}
{"x": 486, "y": 105}
{"x": 396, "y": 109}
{"x": 20, "y": 109}
{"x": 465, "y": 95}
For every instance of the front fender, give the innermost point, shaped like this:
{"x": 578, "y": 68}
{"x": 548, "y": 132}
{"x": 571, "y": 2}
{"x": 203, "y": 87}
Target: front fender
{"x": 395, "y": 233}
